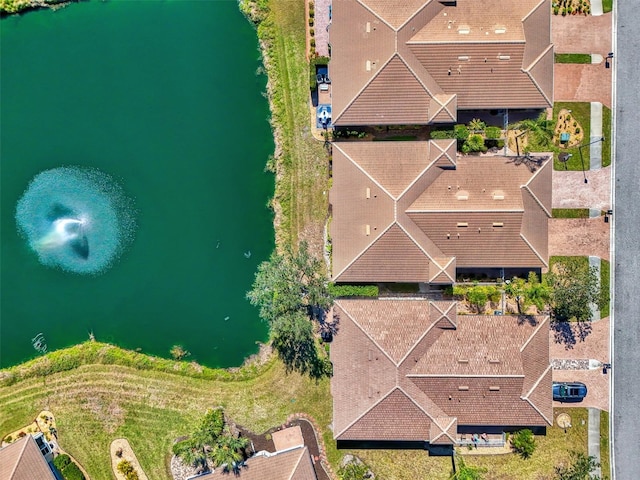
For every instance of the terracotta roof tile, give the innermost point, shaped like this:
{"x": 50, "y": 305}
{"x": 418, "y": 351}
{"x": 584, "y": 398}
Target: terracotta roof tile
{"x": 427, "y": 40}
{"x": 478, "y": 373}
{"x": 22, "y": 460}
{"x": 292, "y": 464}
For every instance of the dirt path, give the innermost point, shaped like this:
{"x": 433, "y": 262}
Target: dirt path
{"x": 579, "y": 236}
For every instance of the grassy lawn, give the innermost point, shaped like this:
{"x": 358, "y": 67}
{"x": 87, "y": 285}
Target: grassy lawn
{"x": 605, "y": 271}
{"x": 606, "y": 132}
{"x": 551, "y": 450}
{"x": 583, "y": 261}
{"x": 570, "y": 213}
{"x": 581, "y": 111}
{"x": 604, "y": 444}
{"x": 97, "y": 403}
{"x": 302, "y": 163}
{"x": 572, "y": 58}
{"x": 607, "y": 6}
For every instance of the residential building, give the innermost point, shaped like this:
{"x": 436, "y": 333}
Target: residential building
{"x": 26, "y": 459}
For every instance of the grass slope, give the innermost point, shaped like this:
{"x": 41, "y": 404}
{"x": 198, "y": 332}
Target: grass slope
{"x": 97, "y": 403}
{"x": 301, "y": 162}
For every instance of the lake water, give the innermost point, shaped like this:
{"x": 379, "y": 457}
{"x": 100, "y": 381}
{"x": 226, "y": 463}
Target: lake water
{"x": 163, "y": 96}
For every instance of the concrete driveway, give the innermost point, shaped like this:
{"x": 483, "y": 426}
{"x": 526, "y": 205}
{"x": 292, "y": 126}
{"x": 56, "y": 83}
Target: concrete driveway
{"x": 580, "y": 34}
{"x": 570, "y": 191}
{"x": 595, "y": 346}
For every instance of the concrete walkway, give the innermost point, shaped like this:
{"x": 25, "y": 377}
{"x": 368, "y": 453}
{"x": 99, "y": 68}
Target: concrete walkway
{"x": 594, "y": 438}
{"x": 596, "y": 8}
{"x": 595, "y": 135}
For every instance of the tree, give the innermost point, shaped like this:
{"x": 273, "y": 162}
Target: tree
{"x": 290, "y": 282}
{"x": 528, "y": 292}
{"x": 476, "y": 125}
{"x": 580, "y": 469}
{"x": 467, "y": 472}
{"x": 291, "y": 289}
{"x": 227, "y": 450}
{"x": 575, "y": 288}
{"x": 540, "y": 136}
{"x": 195, "y": 449}
{"x": 475, "y": 143}
{"x": 523, "y": 443}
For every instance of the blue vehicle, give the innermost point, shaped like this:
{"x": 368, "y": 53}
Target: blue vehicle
{"x": 569, "y": 391}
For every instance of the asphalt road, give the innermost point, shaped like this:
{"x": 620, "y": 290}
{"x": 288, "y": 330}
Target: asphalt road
{"x": 625, "y": 390}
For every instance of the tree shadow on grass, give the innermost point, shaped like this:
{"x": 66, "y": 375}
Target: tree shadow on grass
{"x": 570, "y": 333}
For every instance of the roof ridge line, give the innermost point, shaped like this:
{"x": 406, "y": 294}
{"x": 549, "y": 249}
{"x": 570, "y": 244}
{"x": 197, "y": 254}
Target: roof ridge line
{"x": 431, "y": 95}
{"x": 419, "y": 175}
{"x": 370, "y": 337}
{"x": 533, "y": 334}
{"x": 515, "y": 210}
{"x": 533, "y": 80}
{"x": 444, "y": 270}
{"x": 533, "y": 10}
{"x": 364, "y": 87}
{"x": 526, "y": 398}
{"x": 444, "y": 430}
{"x": 415, "y": 344}
{"x": 364, "y": 5}
{"x": 359, "y": 417}
{"x": 537, "y": 200}
{"x": 431, "y": 417}
{"x": 367, "y": 174}
{"x": 297, "y": 464}
{"x": 431, "y": 259}
{"x": 20, "y": 455}
{"x": 412, "y": 16}
{"x": 464, "y": 42}
{"x": 546, "y": 264}
{"x": 373, "y": 241}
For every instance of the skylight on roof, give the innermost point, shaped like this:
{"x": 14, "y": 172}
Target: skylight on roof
{"x": 464, "y": 30}
{"x": 500, "y": 30}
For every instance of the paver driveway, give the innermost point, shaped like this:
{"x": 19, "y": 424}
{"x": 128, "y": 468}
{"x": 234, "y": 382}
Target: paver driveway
{"x": 570, "y": 191}
{"x": 580, "y": 34}
{"x": 579, "y": 236}
{"x": 595, "y": 346}
{"x": 582, "y": 83}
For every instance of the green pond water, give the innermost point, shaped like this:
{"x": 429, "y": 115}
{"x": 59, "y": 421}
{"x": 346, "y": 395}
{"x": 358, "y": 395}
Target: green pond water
{"x": 164, "y": 98}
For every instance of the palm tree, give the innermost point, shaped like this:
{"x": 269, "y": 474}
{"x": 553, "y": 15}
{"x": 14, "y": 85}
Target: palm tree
{"x": 191, "y": 452}
{"x": 540, "y": 131}
{"x": 477, "y": 125}
{"x": 227, "y": 450}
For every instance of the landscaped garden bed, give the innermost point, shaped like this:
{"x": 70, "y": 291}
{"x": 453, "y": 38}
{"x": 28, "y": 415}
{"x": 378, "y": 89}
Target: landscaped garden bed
{"x": 571, "y": 7}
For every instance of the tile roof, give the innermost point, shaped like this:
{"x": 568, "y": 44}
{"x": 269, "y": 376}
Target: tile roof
{"x": 413, "y": 212}
{"x": 294, "y": 464}
{"x": 400, "y": 62}
{"x": 22, "y": 460}
{"x": 414, "y": 370}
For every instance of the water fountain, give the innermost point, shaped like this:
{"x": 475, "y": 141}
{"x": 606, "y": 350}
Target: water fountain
{"x": 77, "y": 219}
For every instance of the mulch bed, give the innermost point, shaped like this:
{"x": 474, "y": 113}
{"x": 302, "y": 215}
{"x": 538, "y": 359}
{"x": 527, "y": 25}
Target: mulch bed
{"x": 264, "y": 442}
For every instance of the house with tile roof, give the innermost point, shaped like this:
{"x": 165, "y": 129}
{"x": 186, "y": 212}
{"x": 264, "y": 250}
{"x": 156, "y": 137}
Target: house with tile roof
{"x": 418, "y": 62}
{"x": 412, "y": 373}
{"x": 291, "y": 464}
{"x": 24, "y": 459}
{"x": 415, "y": 212}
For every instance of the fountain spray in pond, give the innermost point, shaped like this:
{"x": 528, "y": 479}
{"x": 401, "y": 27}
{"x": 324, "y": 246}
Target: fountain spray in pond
{"x": 77, "y": 219}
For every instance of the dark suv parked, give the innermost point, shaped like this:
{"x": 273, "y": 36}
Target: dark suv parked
{"x": 569, "y": 391}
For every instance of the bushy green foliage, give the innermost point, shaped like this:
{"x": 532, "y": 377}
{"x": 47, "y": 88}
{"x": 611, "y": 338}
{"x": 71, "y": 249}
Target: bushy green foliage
{"x": 493, "y": 133}
{"x": 442, "y": 134}
{"x": 61, "y": 461}
{"x": 523, "y": 443}
{"x": 575, "y": 288}
{"x": 461, "y": 132}
{"x": 126, "y": 468}
{"x": 580, "y": 469}
{"x": 477, "y": 295}
{"x": 72, "y": 472}
{"x": 475, "y": 143}
{"x": 477, "y": 125}
{"x": 529, "y": 292}
{"x": 467, "y": 472}
{"x": 353, "y": 471}
{"x": 353, "y": 290}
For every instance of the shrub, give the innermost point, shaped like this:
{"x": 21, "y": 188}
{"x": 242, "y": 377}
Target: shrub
{"x": 61, "y": 461}
{"x": 442, "y": 134}
{"x": 72, "y": 472}
{"x": 311, "y": 22}
{"x": 312, "y": 13}
{"x": 475, "y": 143}
{"x": 353, "y": 290}
{"x": 312, "y": 31}
{"x": 461, "y": 132}
{"x": 178, "y": 352}
{"x": 493, "y": 133}
{"x": 126, "y": 468}
{"x": 523, "y": 443}
{"x": 312, "y": 42}
{"x": 577, "y": 130}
